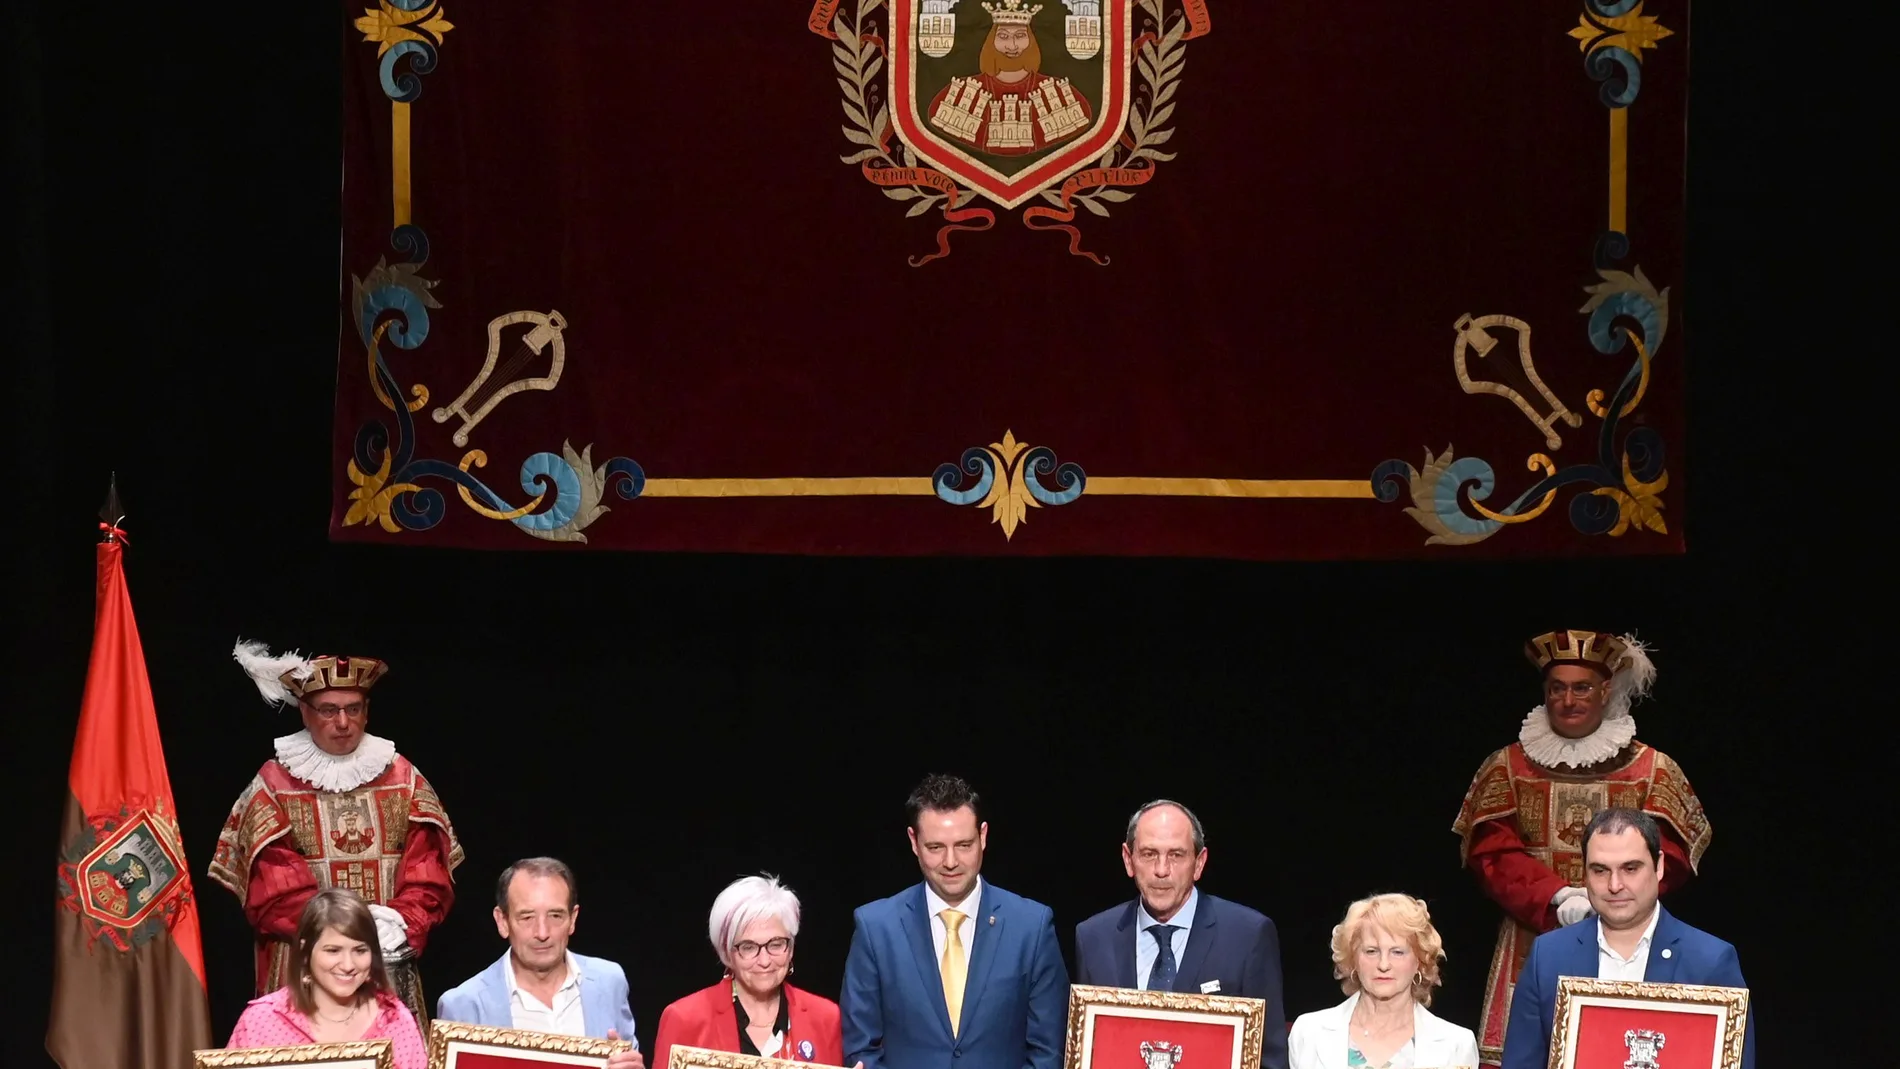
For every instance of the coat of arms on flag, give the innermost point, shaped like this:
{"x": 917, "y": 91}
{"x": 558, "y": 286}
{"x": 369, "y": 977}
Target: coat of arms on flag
{"x": 967, "y": 108}
{"x": 126, "y": 882}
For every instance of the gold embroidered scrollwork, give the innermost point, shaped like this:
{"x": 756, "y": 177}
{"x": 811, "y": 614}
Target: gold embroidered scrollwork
{"x": 477, "y": 458}
{"x": 418, "y": 391}
{"x": 1537, "y": 462}
{"x": 1595, "y": 399}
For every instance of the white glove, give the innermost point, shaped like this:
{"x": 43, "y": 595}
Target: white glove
{"x": 392, "y": 932}
{"x": 1573, "y": 905}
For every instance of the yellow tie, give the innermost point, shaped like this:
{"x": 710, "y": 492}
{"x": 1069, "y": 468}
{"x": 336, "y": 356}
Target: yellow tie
{"x": 954, "y": 967}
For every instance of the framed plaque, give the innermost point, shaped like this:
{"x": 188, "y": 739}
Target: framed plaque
{"x": 358, "y": 1054}
{"x": 702, "y": 1058}
{"x": 1121, "y": 1028}
{"x": 1623, "y": 1024}
{"x": 455, "y": 1045}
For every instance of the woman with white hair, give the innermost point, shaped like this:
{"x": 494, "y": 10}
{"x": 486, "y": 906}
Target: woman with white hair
{"x": 752, "y": 1010}
{"x": 1386, "y": 956}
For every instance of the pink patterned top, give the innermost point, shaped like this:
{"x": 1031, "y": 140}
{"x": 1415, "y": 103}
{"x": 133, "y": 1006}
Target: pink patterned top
{"x": 272, "y": 1021}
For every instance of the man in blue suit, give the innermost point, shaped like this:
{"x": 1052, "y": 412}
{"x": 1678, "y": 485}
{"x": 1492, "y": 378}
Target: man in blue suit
{"x": 539, "y": 984}
{"x": 1174, "y": 938}
{"x": 1631, "y": 937}
{"x": 954, "y": 972}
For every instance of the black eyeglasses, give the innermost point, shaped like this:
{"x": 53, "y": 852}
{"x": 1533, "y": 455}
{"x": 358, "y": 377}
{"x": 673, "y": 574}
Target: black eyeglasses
{"x": 747, "y": 949}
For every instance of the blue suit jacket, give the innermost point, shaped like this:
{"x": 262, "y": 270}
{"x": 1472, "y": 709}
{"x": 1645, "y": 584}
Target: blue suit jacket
{"x": 1015, "y": 1000}
{"x": 1230, "y": 943}
{"x": 1678, "y": 954}
{"x": 483, "y": 999}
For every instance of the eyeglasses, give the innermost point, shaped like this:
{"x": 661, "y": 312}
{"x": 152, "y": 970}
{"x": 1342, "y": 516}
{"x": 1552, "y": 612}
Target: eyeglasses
{"x": 747, "y": 949}
{"x": 354, "y": 710}
{"x": 1575, "y": 690}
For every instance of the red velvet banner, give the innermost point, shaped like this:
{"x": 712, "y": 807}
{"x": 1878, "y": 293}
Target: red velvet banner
{"x": 1014, "y": 276}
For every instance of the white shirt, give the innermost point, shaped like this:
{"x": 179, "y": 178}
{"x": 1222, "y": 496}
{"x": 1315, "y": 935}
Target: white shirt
{"x": 564, "y": 1018}
{"x": 939, "y": 933}
{"x": 1614, "y": 966}
{"x": 1147, "y": 951}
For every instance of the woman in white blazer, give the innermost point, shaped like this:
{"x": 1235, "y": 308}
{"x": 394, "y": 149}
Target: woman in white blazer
{"x": 1386, "y": 956}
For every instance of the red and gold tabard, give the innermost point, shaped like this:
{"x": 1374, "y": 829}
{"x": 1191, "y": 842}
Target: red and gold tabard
{"x": 1521, "y": 832}
{"x": 285, "y": 840}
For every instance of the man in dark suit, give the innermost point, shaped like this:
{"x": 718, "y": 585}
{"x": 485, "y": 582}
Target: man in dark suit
{"x": 1174, "y": 938}
{"x": 1631, "y": 937}
{"x": 953, "y": 972}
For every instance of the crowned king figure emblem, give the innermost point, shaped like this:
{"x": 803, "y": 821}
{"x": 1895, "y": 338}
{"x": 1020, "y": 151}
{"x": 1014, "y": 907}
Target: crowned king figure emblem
{"x": 1161, "y": 1055}
{"x": 1645, "y": 1049}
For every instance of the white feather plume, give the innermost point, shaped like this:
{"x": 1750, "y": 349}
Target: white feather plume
{"x": 1632, "y": 680}
{"x": 267, "y": 669}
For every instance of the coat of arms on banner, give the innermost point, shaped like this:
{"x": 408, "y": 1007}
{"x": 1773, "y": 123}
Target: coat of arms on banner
{"x": 970, "y": 107}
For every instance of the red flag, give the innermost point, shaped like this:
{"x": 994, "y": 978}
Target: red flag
{"x": 128, "y": 969}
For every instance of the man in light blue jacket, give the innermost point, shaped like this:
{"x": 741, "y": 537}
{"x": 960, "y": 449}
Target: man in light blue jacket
{"x": 539, "y": 984}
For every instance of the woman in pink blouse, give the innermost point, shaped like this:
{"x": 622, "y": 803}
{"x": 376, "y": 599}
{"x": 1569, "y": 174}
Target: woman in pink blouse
{"x": 341, "y": 992}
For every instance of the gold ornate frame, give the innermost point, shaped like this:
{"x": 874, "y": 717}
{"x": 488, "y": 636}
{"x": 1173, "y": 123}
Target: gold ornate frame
{"x": 445, "y": 1036}
{"x": 349, "y": 1055}
{"x": 1086, "y": 1003}
{"x": 704, "y": 1058}
{"x": 1729, "y": 1005}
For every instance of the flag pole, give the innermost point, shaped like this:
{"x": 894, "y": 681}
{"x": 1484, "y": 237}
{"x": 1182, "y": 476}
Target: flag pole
{"x": 128, "y": 977}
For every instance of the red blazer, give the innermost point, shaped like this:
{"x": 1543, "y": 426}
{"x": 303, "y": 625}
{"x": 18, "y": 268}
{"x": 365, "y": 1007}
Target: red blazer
{"x": 706, "y": 1019}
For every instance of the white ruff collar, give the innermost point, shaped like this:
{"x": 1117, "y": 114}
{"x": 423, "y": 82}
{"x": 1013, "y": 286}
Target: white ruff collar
{"x": 1552, "y": 750}
{"x": 332, "y": 772}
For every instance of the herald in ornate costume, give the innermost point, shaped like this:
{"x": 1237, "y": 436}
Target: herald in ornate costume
{"x": 313, "y": 818}
{"x": 1520, "y": 828}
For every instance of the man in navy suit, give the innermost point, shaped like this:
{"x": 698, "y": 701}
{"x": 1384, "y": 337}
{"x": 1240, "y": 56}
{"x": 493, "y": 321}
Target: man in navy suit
{"x": 1631, "y": 937}
{"x": 1174, "y": 938}
{"x": 953, "y": 972}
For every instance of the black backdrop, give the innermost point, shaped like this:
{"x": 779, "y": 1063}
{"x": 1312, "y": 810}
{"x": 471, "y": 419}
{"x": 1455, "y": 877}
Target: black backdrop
{"x": 669, "y": 722}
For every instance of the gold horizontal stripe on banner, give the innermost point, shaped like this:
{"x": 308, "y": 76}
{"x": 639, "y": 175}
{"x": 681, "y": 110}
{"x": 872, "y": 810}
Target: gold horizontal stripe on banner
{"x": 1146, "y": 487}
{"x": 1125, "y": 486}
{"x": 869, "y": 486}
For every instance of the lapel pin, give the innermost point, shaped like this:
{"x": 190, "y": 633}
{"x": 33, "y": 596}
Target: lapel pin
{"x": 1665, "y": 952}
{"x": 992, "y": 920}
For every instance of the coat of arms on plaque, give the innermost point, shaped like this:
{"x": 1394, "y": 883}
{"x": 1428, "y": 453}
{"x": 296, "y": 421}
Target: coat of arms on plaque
{"x": 967, "y": 108}
{"x": 1161, "y": 1055}
{"x": 1645, "y": 1047}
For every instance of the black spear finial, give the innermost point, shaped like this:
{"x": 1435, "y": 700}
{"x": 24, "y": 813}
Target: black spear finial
{"x": 112, "y": 514}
